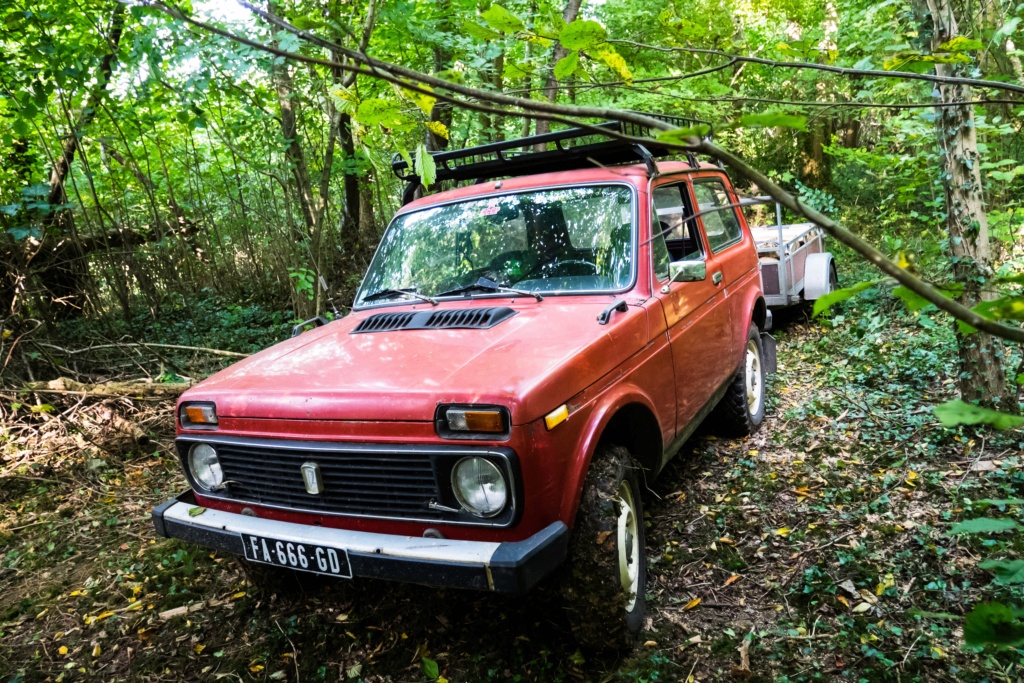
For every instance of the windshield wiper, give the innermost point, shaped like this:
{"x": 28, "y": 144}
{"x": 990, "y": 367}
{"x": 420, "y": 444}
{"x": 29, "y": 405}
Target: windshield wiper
{"x": 388, "y": 293}
{"x": 490, "y": 286}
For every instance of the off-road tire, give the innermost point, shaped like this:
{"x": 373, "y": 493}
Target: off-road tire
{"x": 734, "y": 416}
{"x": 592, "y": 589}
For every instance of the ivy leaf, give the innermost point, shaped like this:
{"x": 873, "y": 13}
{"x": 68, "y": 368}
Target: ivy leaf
{"x": 582, "y": 34}
{"x": 378, "y": 111}
{"x": 774, "y": 120}
{"x": 983, "y": 525}
{"x": 957, "y": 412}
{"x": 681, "y": 136}
{"x": 566, "y": 66}
{"x": 1007, "y": 572}
{"x": 499, "y": 18}
{"x": 614, "y": 61}
{"x": 425, "y": 166}
{"x": 826, "y": 302}
{"x": 430, "y": 669}
{"x": 961, "y": 44}
{"x": 479, "y": 32}
{"x": 994, "y": 623}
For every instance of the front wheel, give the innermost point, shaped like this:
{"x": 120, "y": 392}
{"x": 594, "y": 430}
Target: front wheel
{"x": 741, "y": 410}
{"x": 604, "y": 584}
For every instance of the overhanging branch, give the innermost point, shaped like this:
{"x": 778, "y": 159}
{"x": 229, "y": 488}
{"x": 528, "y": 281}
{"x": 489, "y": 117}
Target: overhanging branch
{"x": 416, "y": 81}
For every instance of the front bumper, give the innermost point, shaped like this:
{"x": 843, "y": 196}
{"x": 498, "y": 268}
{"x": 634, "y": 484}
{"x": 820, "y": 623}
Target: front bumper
{"x": 500, "y": 567}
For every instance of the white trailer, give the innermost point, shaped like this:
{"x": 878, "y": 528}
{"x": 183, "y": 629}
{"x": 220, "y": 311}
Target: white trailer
{"x": 794, "y": 264}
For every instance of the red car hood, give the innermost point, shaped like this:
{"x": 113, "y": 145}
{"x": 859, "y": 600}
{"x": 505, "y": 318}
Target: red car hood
{"x": 531, "y": 363}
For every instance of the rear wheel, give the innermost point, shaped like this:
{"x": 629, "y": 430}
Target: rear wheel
{"x": 606, "y": 578}
{"x": 741, "y": 410}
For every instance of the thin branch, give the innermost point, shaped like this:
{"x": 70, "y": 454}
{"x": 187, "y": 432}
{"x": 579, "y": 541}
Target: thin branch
{"x": 200, "y": 349}
{"x": 842, "y": 70}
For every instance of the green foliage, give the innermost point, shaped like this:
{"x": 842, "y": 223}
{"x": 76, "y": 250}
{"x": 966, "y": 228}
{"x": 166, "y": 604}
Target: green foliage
{"x": 774, "y": 120}
{"x": 430, "y": 668}
{"x": 996, "y": 624}
{"x": 957, "y": 412}
{"x": 682, "y": 136}
{"x": 1007, "y": 572}
{"x": 984, "y": 525}
{"x": 500, "y": 19}
{"x": 567, "y": 66}
{"x": 826, "y": 302}
{"x": 582, "y": 34}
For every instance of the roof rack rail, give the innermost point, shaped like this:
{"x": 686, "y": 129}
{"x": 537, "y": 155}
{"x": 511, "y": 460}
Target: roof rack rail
{"x": 574, "y": 148}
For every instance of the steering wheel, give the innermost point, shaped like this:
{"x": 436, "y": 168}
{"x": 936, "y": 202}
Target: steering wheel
{"x": 556, "y": 264}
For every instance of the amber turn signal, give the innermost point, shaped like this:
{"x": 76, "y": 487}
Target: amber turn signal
{"x": 489, "y": 421}
{"x": 556, "y": 416}
{"x": 199, "y": 414}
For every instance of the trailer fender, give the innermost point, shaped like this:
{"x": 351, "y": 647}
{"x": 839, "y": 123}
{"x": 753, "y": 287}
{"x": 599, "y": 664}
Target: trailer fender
{"x": 818, "y": 279}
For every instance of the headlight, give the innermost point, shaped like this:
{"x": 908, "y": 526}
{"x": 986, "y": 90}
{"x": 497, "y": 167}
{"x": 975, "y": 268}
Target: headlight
{"x": 205, "y": 467}
{"x": 479, "y": 486}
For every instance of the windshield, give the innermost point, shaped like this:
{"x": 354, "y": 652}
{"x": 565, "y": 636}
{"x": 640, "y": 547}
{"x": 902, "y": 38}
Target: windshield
{"x": 568, "y": 239}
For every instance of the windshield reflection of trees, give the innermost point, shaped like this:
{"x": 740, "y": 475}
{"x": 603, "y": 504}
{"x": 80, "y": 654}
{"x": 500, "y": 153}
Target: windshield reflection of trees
{"x": 576, "y": 238}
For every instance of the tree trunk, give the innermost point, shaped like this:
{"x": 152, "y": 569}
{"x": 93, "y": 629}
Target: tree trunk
{"x": 569, "y": 14}
{"x": 281, "y": 76}
{"x": 981, "y": 377}
{"x": 59, "y": 262}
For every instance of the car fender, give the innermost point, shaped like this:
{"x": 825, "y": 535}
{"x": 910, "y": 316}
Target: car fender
{"x": 605, "y": 408}
{"x": 752, "y": 308}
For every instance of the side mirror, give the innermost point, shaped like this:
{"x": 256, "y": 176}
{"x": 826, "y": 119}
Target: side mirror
{"x": 688, "y": 271}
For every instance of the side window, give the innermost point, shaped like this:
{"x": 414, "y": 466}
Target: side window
{"x": 671, "y": 207}
{"x": 722, "y": 227}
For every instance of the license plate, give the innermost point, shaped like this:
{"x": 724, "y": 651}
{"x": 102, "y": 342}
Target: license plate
{"x": 305, "y": 557}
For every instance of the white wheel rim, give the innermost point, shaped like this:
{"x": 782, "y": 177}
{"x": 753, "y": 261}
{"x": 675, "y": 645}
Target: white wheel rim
{"x": 753, "y": 374}
{"x": 629, "y": 547}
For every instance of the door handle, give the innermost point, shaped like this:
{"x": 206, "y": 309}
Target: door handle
{"x": 717, "y": 278}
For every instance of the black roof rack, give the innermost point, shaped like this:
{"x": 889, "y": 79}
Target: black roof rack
{"x": 573, "y": 148}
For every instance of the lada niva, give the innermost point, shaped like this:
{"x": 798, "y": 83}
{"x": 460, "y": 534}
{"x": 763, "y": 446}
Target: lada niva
{"x": 524, "y": 355}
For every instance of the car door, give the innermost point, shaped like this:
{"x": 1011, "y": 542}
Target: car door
{"x": 730, "y": 245}
{"x": 698, "y": 319}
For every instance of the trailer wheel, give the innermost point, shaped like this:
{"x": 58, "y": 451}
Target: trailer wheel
{"x": 605, "y": 579}
{"x": 741, "y": 410}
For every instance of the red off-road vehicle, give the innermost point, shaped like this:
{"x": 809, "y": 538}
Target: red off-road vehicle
{"x": 523, "y": 355}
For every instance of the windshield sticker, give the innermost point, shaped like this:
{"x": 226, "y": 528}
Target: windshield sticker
{"x": 490, "y": 211}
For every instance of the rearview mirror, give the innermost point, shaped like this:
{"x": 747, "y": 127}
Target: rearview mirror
{"x": 688, "y": 271}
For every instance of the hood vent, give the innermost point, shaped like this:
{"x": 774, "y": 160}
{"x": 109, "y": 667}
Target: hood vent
{"x": 449, "y": 319}
{"x": 383, "y": 322}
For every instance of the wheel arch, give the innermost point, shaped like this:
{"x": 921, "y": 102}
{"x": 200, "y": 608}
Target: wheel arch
{"x": 760, "y": 314}
{"x": 627, "y": 419}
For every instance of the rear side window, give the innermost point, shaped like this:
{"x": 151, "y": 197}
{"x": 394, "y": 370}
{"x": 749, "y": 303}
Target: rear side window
{"x": 722, "y": 227}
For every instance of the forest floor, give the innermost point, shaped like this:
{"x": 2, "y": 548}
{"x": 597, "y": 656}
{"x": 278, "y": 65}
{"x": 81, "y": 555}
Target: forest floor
{"x": 807, "y": 552}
